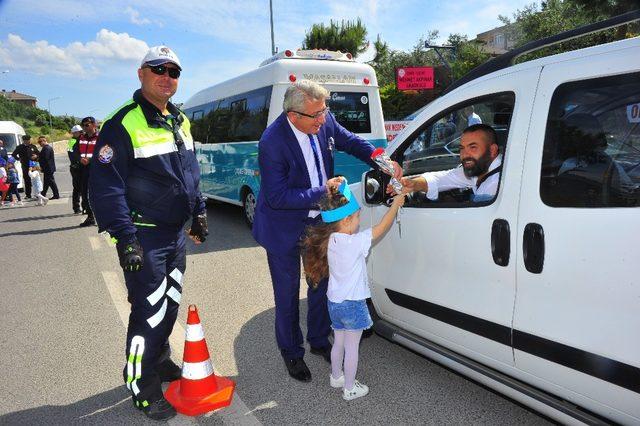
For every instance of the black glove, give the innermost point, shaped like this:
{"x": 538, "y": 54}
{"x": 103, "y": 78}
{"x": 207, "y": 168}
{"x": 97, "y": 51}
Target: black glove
{"x": 131, "y": 256}
{"x": 199, "y": 228}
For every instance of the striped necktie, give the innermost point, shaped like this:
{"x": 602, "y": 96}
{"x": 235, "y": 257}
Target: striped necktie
{"x": 316, "y": 159}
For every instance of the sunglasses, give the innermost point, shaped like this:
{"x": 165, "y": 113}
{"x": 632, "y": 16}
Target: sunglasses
{"x": 163, "y": 69}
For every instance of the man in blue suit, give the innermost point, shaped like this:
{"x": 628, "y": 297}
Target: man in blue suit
{"x": 295, "y": 155}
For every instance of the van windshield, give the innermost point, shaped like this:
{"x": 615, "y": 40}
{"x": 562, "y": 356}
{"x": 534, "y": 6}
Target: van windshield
{"x": 10, "y": 141}
{"x": 351, "y": 110}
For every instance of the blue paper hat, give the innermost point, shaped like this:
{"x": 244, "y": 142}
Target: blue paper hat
{"x": 3, "y": 162}
{"x": 33, "y": 164}
{"x": 11, "y": 159}
{"x": 341, "y": 212}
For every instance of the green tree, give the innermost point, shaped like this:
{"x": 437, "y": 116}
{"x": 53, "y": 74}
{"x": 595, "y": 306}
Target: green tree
{"x": 347, "y": 37}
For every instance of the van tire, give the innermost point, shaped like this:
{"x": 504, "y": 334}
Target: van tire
{"x": 249, "y": 206}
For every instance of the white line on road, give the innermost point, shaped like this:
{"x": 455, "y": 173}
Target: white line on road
{"x": 236, "y": 413}
{"x": 95, "y": 243}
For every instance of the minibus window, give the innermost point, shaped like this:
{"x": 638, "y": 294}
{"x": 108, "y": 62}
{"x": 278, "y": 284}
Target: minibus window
{"x": 351, "y": 110}
{"x": 10, "y": 142}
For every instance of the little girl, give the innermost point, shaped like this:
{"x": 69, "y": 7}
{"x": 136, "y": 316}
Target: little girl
{"x": 4, "y": 186}
{"x": 13, "y": 180}
{"x": 36, "y": 183}
{"x": 336, "y": 249}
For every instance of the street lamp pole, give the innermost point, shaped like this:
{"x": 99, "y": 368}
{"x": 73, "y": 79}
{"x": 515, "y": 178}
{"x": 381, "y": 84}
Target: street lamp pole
{"x": 49, "y": 109}
{"x": 273, "y": 45}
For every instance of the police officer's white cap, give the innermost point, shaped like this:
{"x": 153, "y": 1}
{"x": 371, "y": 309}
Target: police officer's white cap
{"x": 76, "y": 128}
{"x": 158, "y": 55}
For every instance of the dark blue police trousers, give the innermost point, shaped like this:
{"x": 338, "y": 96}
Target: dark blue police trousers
{"x": 154, "y": 293}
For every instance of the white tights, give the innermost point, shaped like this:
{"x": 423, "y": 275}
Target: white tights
{"x": 345, "y": 351}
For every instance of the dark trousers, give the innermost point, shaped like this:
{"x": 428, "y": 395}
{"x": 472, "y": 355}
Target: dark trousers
{"x": 13, "y": 190}
{"x": 285, "y": 277}
{"x": 154, "y": 293}
{"x": 50, "y": 181}
{"x": 84, "y": 188}
{"x": 76, "y": 181}
{"x": 26, "y": 181}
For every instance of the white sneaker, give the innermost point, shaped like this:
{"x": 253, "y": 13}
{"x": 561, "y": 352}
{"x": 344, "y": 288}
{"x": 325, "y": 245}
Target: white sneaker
{"x": 358, "y": 390}
{"x": 336, "y": 383}
{"x": 45, "y": 201}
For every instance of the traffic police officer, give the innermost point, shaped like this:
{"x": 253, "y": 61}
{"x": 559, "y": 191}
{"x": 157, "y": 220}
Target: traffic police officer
{"x": 143, "y": 187}
{"x": 74, "y": 167}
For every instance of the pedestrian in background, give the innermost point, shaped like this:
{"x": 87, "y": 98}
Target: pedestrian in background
{"x": 144, "y": 186}
{"x": 13, "y": 179}
{"x": 3, "y": 151}
{"x": 86, "y": 145}
{"x": 48, "y": 166}
{"x": 75, "y": 168}
{"x": 26, "y": 152}
{"x": 36, "y": 183}
{"x": 4, "y": 186}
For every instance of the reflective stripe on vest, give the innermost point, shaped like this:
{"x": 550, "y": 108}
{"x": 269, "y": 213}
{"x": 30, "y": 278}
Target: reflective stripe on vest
{"x": 86, "y": 148}
{"x": 148, "y": 141}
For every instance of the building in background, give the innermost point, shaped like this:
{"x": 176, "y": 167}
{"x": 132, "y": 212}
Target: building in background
{"x": 498, "y": 40}
{"x": 20, "y": 98}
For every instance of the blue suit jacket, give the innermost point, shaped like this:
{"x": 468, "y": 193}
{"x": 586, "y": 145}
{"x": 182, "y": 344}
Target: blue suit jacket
{"x": 286, "y": 195}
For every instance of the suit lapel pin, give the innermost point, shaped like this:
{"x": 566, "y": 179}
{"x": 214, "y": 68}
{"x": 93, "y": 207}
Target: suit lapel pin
{"x": 331, "y": 143}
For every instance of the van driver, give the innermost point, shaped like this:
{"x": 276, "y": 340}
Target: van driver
{"x": 481, "y": 163}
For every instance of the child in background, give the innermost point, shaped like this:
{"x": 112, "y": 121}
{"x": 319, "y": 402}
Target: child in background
{"x": 4, "y": 186}
{"x": 336, "y": 249}
{"x": 36, "y": 183}
{"x": 13, "y": 179}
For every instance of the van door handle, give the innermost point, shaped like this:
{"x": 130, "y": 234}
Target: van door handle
{"x": 500, "y": 242}
{"x": 533, "y": 247}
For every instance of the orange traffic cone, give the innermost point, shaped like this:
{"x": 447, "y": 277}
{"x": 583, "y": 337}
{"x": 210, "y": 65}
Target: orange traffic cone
{"x": 199, "y": 390}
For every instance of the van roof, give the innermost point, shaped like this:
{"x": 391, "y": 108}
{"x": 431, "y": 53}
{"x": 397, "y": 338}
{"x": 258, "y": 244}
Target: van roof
{"x": 506, "y": 60}
{"x": 11, "y": 127}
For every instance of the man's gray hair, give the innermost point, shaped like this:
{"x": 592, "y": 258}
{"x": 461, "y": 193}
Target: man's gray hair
{"x": 299, "y": 92}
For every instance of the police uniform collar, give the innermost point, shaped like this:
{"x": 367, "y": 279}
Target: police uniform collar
{"x": 152, "y": 114}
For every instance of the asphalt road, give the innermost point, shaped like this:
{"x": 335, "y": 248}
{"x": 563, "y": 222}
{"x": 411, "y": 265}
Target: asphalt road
{"x": 64, "y": 311}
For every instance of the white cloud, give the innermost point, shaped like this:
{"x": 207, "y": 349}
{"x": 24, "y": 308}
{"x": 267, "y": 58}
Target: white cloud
{"x": 134, "y": 17}
{"x": 82, "y": 60}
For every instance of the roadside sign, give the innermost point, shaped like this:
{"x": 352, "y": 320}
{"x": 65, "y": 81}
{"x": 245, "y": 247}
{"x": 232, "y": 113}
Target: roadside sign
{"x": 414, "y": 78}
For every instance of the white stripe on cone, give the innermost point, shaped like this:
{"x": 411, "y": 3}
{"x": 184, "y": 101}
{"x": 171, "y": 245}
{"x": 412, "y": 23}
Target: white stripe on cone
{"x": 197, "y": 370}
{"x": 194, "y": 333}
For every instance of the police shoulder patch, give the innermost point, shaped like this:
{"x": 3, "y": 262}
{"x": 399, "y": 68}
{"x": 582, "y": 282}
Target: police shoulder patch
{"x": 105, "y": 155}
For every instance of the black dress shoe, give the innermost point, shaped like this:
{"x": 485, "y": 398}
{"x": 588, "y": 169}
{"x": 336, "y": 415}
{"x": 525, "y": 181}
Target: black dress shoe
{"x": 168, "y": 371}
{"x": 89, "y": 221}
{"x": 324, "y": 352}
{"x": 298, "y": 369}
{"x": 55, "y": 197}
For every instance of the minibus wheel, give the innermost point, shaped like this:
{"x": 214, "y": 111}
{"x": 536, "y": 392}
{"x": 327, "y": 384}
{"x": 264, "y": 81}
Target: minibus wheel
{"x": 248, "y": 206}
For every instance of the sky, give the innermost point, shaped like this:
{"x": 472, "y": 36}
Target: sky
{"x": 80, "y": 57}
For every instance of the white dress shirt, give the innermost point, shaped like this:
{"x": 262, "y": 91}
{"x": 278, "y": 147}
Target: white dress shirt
{"x": 307, "y": 153}
{"x": 455, "y": 178}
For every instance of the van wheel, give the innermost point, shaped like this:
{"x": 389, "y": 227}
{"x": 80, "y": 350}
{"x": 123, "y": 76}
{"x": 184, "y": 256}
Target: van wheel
{"x": 249, "y": 207}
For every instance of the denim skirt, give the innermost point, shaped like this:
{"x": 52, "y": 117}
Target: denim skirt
{"x": 349, "y": 315}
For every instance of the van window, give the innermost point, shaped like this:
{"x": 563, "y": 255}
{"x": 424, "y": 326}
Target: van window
{"x": 591, "y": 155}
{"x": 351, "y": 110}
{"x": 240, "y": 118}
{"x": 435, "y": 148}
{"x": 10, "y": 141}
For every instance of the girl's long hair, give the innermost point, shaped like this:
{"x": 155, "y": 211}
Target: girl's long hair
{"x": 315, "y": 242}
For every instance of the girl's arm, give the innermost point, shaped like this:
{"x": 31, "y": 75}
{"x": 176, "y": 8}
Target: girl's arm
{"x": 387, "y": 219}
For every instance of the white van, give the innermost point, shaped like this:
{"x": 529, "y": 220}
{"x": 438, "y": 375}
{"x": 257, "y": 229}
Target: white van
{"x": 535, "y": 292}
{"x": 11, "y": 134}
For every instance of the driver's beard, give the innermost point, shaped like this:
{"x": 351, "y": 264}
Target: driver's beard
{"x": 479, "y": 167}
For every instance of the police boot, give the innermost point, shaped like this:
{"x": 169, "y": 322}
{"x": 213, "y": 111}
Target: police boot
{"x": 160, "y": 409}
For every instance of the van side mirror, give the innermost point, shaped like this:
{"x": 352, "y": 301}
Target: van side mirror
{"x": 375, "y": 183}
